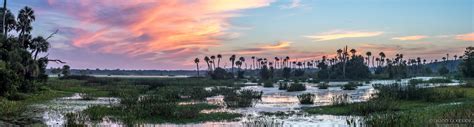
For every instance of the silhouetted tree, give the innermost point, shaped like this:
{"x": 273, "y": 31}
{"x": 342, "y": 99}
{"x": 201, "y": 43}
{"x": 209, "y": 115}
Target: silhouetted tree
{"x": 197, "y": 66}
{"x": 467, "y": 65}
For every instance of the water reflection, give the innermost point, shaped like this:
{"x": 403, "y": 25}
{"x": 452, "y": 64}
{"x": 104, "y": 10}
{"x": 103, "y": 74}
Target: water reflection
{"x": 273, "y": 100}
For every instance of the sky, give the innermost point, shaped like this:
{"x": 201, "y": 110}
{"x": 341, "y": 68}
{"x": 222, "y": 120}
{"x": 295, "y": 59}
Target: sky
{"x": 169, "y": 34}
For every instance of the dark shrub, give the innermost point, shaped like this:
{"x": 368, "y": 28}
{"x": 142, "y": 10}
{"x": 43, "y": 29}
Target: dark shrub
{"x": 350, "y": 86}
{"x": 282, "y": 86}
{"x": 268, "y": 84}
{"x": 244, "y": 98}
{"x": 323, "y": 85}
{"x": 306, "y": 98}
{"x": 296, "y": 87}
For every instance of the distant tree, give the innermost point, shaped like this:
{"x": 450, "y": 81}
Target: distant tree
{"x": 66, "y": 70}
{"x": 467, "y": 65}
{"x": 264, "y": 73}
{"x": 197, "y": 66}
{"x": 213, "y": 66}
{"x": 443, "y": 71}
{"x": 286, "y": 72}
{"x": 368, "y": 58}
{"x": 207, "y": 59}
{"x": 219, "y": 57}
{"x": 232, "y": 60}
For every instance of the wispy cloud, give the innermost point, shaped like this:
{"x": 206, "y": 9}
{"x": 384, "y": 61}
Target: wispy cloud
{"x": 465, "y": 37}
{"x": 342, "y": 34}
{"x": 293, "y": 4}
{"x": 410, "y": 38}
{"x": 279, "y": 45}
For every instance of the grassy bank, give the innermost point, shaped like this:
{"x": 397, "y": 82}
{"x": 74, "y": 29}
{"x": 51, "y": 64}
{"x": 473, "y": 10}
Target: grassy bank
{"x": 444, "y": 103}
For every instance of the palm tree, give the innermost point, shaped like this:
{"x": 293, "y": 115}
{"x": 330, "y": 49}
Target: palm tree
{"x": 368, "y": 58}
{"x": 253, "y": 62}
{"x": 232, "y": 60}
{"x": 242, "y": 61}
{"x": 455, "y": 57}
{"x": 213, "y": 62}
{"x": 25, "y": 18}
{"x": 219, "y": 56}
{"x": 207, "y": 62}
{"x": 353, "y": 51}
{"x": 276, "y": 61}
{"x": 39, "y": 44}
{"x": 4, "y": 18}
{"x": 197, "y": 65}
{"x": 382, "y": 57}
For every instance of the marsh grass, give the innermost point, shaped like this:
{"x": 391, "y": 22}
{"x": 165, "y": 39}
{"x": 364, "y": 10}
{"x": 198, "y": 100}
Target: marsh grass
{"x": 243, "y": 98}
{"x": 340, "y": 100}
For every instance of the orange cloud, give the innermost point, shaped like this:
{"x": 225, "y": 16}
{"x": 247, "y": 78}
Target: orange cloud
{"x": 465, "y": 37}
{"x": 342, "y": 34}
{"x": 410, "y": 38}
{"x": 150, "y": 27}
{"x": 279, "y": 45}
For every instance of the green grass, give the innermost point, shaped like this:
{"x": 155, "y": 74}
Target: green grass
{"x": 402, "y": 105}
{"x": 399, "y": 112}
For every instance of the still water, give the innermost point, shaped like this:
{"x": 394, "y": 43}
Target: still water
{"x": 273, "y": 100}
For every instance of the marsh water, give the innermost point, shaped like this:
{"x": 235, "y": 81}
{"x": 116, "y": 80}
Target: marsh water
{"x": 273, "y": 100}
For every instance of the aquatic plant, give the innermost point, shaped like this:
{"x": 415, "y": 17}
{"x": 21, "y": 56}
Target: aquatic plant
{"x": 282, "y": 86}
{"x": 243, "y": 98}
{"x": 306, "y": 98}
{"x": 340, "y": 100}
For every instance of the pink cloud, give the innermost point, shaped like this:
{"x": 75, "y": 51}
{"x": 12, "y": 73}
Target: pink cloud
{"x": 410, "y": 38}
{"x": 342, "y": 34}
{"x": 465, "y": 37}
{"x": 157, "y": 29}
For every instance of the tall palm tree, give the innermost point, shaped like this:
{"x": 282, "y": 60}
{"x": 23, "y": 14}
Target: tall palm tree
{"x": 8, "y": 22}
{"x": 213, "y": 58}
{"x": 455, "y": 57}
{"x": 197, "y": 65}
{"x": 276, "y": 61}
{"x": 207, "y": 62}
{"x": 219, "y": 56}
{"x": 4, "y": 18}
{"x": 368, "y": 58}
{"x": 25, "y": 18}
{"x": 232, "y": 60}
{"x": 253, "y": 62}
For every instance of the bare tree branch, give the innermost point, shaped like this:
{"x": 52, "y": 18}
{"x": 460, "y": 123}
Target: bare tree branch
{"x": 52, "y": 34}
